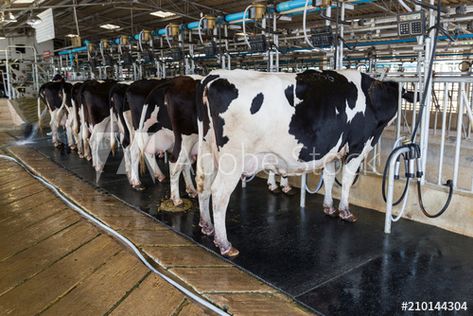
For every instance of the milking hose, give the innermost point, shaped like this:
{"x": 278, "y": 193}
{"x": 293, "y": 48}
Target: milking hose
{"x": 414, "y": 133}
{"x": 118, "y": 236}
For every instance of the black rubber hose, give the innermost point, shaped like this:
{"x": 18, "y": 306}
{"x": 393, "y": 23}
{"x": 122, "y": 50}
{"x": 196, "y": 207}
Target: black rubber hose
{"x": 443, "y": 209}
{"x": 385, "y": 175}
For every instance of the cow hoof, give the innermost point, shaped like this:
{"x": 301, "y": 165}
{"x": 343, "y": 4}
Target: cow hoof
{"x": 207, "y": 230}
{"x": 331, "y": 211}
{"x": 73, "y": 148}
{"x": 289, "y": 191}
{"x": 88, "y": 158}
{"x": 277, "y": 190}
{"x": 177, "y": 202}
{"x": 192, "y": 193}
{"x": 138, "y": 187}
{"x": 160, "y": 178}
{"x": 231, "y": 253}
{"x": 347, "y": 216}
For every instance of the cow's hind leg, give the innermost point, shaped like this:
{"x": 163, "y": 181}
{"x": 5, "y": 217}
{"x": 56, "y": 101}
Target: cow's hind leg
{"x": 222, "y": 188}
{"x": 329, "y": 174}
{"x": 227, "y": 178}
{"x": 175, "y": 169}
{"x": 190, "y": 188}
{"x": 206, "y": 172}
{"x": 272, "y": 185}
{"x": 286, "y": 187}
{"x": 349, "y": 173}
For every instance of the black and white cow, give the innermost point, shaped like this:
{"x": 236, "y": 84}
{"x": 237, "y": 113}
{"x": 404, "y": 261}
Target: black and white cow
{"x": 135, "y": 98}
{"x": 75, "y": 117}
{"x": 170, "y": 125}
{"x": 57, "y": 97}
{"x": 289, "y": 124}
{"x": 95, "y": 120}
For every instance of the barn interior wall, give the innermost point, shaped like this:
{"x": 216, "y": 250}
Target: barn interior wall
{"x": 27, "y": 41}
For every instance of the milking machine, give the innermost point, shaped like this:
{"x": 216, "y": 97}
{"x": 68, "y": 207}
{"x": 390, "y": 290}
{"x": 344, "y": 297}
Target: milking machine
{"x": 107, "y": 59}
{"x": 146, "y": 55}
{"x": 411, "y": 152}
{"x": 125, "y": 59}
{"x": 92, "y": 58}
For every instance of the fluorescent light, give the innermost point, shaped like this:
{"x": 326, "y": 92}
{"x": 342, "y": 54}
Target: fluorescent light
{"x": 162, "y": 14}
{"x": 110, "y": 26}
{"x": 23, "y": 1}
{"x": 72, "y": 35}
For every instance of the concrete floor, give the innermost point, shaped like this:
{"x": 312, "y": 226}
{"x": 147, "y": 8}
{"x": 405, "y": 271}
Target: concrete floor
{"x": 334, "y": 267}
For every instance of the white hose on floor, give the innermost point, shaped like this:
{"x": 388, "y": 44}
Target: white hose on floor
{"x": 118, "y": 236}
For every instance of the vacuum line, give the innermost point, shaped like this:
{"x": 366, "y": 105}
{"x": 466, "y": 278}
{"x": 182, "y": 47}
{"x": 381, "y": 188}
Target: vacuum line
{"x": 118, "y": 236}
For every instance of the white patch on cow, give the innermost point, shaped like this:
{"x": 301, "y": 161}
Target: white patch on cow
{"x": 195, "y": 77}
{"x": 152, "y": 119}
{"x": 160, "y": 142}
{"x": 360, "y": 106}
{"x": 98, "y": 138}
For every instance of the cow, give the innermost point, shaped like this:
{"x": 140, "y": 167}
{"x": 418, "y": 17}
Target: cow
{"x": 56, "y": 96}
{"x": 169, "y": 124}
{"x": 135, "y": 98}
{"x": 95, "y": 119}
{"x": 120, "y": 112}
{"x": 289, "y": 124}
{"x": 75, "y": 117}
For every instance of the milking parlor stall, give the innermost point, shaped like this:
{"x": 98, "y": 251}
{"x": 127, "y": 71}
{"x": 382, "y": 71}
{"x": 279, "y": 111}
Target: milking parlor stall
{"x": 215, "y": 157}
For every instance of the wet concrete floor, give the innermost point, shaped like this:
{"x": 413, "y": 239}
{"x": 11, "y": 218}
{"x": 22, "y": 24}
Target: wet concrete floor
{"x": 335, "y": 268}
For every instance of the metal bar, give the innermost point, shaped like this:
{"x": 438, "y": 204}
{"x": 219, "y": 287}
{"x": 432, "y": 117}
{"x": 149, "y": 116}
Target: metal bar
{"x": 399, "y": 112}
{"x": 303, "y": 189}
{"x": 459, "y": 137}
{"x": 442, "y": 140}
{"x": 390, "y": 193}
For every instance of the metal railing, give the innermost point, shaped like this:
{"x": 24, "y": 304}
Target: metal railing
{"x": 446, "y": 125}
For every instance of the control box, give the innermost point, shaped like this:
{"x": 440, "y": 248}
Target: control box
{"x": 411, "y": 24}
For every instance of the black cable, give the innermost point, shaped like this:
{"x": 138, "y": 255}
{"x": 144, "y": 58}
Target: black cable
{"x": 385, "y": 175}
{"x": 443, "y": 209}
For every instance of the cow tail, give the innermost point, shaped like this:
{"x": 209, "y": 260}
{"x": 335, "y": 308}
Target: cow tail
{"x": 75, "y": 120}
{"x": 112, "y": 134}
{"x": 140, "y": 140}
{"x": 200, "y": 175}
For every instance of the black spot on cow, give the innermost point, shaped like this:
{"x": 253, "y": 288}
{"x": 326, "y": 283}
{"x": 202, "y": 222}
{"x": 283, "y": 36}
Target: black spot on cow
{"x": 315, "y": 123}
{"x": 256, "y": 103}
{"x": 201, "y": 110}
{"x": 220, "y": 94}
{"x": 289, "y": 92}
